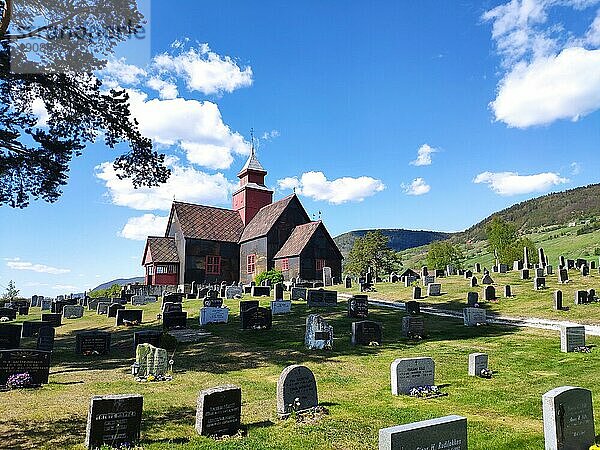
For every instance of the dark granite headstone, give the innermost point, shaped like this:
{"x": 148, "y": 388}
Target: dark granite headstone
{"x": 366, "y": 332}
{"x": 114, "y": 420}
{"x": 219, "y": 411}
{"x": 412, "y": 307}
{"x": 45, "y": 339}
{"x": 9, "y": 313}
{"x": 54, "y": 319}
{"x": 416, "y": 292}
{"x": 558, "y": 300}
{"x": 23, "y": 310}
{"x": 151, "y": 337}
{"x": 448, "y": 433}
{"x": 260, "y": 291}
{"x": 358, "y": 306}
{"x": 298, "y": 293}
{"x": 489, "y": 293}
{"x": 129, "y": 316}
{"x": 581, "y": 297}
{"x": 34, "y": 362}
{"x": 168, "y": 307}
{"x": 31, "y": 328}
{"x": 318, "y": 298}
{"x": 10, "y": 335}
{"x": 296, "y": 390}
{"x": 472, "y": 298}
{"x": 413, "y": 326}
{"x": 112, "y": 309}
{"x": 92, "y": 343}
{"x": 174, "y": 320}
{"x": 525, "y": 274}
{"x": 568, "y": 418}
{"x": 255, "y": 318}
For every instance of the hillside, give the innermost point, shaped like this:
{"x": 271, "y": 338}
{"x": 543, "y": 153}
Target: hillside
{"x": 120, "y": 282}
{"x": 558, "y": 208}
{"x": 399, "y": 239}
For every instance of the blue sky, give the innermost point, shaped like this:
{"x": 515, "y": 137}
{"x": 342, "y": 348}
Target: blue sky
{"x": 420, "y": 115}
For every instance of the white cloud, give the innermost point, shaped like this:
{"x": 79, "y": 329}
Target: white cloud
{"x": 268, "y": 135}
{"x": 197, "y": 127}
{"x": 575, "y": 168}
{"x": 550, "y": 72}
{"x": 511, "y": 183}
{"x": 184, "y": 184}
{"x": 17, "y": 264}
{"x": 424, "y": 155}
{"x": 167, "y": 90}
{"x": 417, "y": 187}
{"x": 118, "y": 72}
{"x": 341, "y": 190}
{"x": 566, "y": 86}
{"x": 204, "y": 70}
{"x": 65, "y": 287}
{"x": 38, "y": 109}
{"x": 139, "y": 228}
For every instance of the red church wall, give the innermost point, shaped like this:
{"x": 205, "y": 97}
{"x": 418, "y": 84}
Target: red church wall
{"x": 249, "y": 201}
{"x": 165, "y": 278}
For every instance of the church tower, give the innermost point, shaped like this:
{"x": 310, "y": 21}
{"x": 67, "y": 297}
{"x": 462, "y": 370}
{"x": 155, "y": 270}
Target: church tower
{"x": 252, "y": 193}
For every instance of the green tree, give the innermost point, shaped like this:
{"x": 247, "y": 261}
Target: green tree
{"x": 372, "y": 251}
{"x": 11, "y": 292}
{"x": 442, "y": 253}
{"x": 274, "y": 276}
{"x": 503, "y": 238}
{"x": 34, "y": 156}
{"x": 112, "y": 292}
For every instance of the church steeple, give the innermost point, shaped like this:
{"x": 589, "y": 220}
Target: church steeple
{"x": 252, "y": 193}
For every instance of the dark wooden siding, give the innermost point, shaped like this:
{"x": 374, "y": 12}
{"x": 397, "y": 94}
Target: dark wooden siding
{"x": 196, "y": 251}
{"x": 320, "y": 246}
{"x": 256, "y": 247}
{"x": 294, "y": 267}
{"x": 293, "y": 216}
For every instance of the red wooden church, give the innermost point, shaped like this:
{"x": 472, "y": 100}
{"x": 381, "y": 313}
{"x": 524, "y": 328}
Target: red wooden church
{"x": 207, "y": 244}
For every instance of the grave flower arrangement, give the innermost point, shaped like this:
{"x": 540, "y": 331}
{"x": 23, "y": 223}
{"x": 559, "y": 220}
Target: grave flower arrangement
{"x": 485, "y": 373}
{"x": 583, "y": 349}
{"x": 19, "y": 381}
{"x": 426, "y": 392}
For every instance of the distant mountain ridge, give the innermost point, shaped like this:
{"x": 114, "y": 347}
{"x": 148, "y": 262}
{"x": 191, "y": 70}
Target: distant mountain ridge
{"x": 558, "y": 208}
{"x": 399, "y": 239}
{"x": 120, "y": 282}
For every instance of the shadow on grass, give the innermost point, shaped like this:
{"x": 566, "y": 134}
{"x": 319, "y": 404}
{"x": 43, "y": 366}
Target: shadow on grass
{"x": 37, "y": 434}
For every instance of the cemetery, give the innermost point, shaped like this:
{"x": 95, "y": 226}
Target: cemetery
{"x": 303, "y": 372}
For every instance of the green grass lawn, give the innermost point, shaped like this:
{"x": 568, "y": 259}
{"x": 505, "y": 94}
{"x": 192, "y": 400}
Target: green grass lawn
{"x": 354, "y": 382}
{"x": 526, "y": 302}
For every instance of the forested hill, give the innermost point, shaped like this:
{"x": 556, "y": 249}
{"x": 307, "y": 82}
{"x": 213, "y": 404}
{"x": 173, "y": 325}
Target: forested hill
{"x": 553, "y": 209}
{"x": 399, "y": 239}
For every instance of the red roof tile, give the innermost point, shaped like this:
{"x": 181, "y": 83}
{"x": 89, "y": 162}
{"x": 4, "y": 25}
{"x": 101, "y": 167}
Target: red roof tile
{"x": 208, "y": 222}
{"x": 298, "y": 240}
{"x": 162, "y": 249}
{"x": 265, "y": 218}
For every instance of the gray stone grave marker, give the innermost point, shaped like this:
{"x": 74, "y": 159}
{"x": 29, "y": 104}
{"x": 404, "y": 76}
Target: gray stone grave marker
{"x": 434, "y": 289}
{"x": 408, "y": 373}
{"x": 296, "y": 390}
{"x": 319, "y": 334}
{"x": 571, "y": 336}
{"x": 447, "y": 433}
{"x": 114, "y": 420}
{"x": 474, "y": 316}
{"x": 477, "y": 362}
{"x": 219, "y": 411}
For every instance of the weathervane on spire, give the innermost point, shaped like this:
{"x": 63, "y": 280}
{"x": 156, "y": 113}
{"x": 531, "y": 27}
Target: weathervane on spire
{"x": 252, "y": 141}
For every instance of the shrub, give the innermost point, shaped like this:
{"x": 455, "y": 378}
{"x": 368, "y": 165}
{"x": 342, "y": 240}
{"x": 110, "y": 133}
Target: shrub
{"x": 273, "y": 275}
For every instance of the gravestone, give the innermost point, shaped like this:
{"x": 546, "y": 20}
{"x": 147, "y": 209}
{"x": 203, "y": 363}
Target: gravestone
{"x": 409, "y": 280}
{"x": 591, "y": 296}
{"x": 450, "y": 270}
{"x": 568, "y": 418}
{"x": 571, "y": 336}
{"x": 473, "y": 281}
{"x": 541, "y": 257}
{"x": 563, "y": 276}
{"x": 34, "y": 362}
{"x": 260, "y": 291}
{"x": 549, "y": 270}
{"x": 408, "y": 373}
{"x": 477, "y": 268}
{"x": 416, "y": 293}
{"x": 474, "y": 316}
{"x": 211, "y": 314}
{"x": 57, "y": 306}
{"x": 8, "y": 313}
{"x": 10, "y": 335}
{"x": 32, "y": 328}
{"x": 413, "y": 327}
{"x": 487, "y": 279}
{"x": 151, "y": 337}
{"x": 233, "y": 291}
{"x": 468, "y": 274}
{"x": 92, "y": 343}
{"x": 168, "y": 307}
{"x": 477, "y": 362}
{"x": 434, "y": 290}
{"x": 278, "y": 291}
{"x": 593, "y": 265}
{"x": 45, "y": 339}
{"x": 46, "y": 304}
{"x": 585, "y": 270}
{"x": 366, "y": 332}
{"x": 23, "y": 310}
{"x": 72, "y": 312}
{"x": 173, "y": 297}
{"x": 489, "y": 293}
{"x": 539, "y": 273}
{"x": 151, "y": 360}
{"x": 327, "y": 276}
{"x": 424, "y": 271}
{"x": 570, "y": 263}
{"x": 114, "y": 420}
{"x": 412, "y": 307}
{"x": 319, "y": 334}
{"x": 174, "y": 320}
{"x": 472, "y": 298}
{"x": 558, "y": 300}
{"x": 102, "y": 308}
{"x": 427, "y": 280}
{"x": 580, "y": 263}
{"x": 517, "y": 265}
{"x": 112, "y": 309}
{"x": 320, "y": 298}
{"x": 129, "y": 317}
{"x": 581, "y": 297}
{"x": 358, "y": 306}
{"x": 219, "y": 411}
{"x": 296, "y": 390}
{"x": 281, "y": 307}
{"x": 525, "y": 258}
{"x": 447, "y": 433}
{"x": 52, "y": 318}
{"x": 348, "y": 282}
{"x": 525, "y": 274}
{"x": 502, "y": 268}
{"x": 298, "y": 293}
{"x": 539, "y": 283}
{"x": 256, "y": 318}
{"x": 141, "y": 300}
{"x": 562, "y": 263}
{"x": 208, "y": 301}
{"x": 507, "y": 291}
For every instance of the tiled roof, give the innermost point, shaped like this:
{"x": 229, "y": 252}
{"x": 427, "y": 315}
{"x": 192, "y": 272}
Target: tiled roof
{"x": 162, "y": 249}
{"x": 298, "y": 240}
{"x": 253, "y": 164}
{"x": 265, "y": 218}
{"x": 208, "y": 222}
